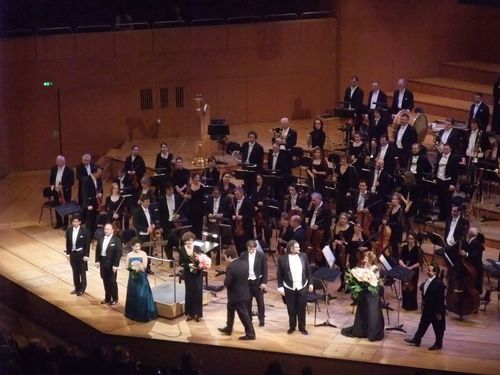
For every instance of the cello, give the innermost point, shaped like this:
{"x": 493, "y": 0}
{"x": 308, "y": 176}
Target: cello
{"x": 382, "y": 245}
{"x": 314, "y": 238}
{"x": 462, "y": 298}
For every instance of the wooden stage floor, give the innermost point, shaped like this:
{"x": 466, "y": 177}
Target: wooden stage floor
{"x": 34, "y": 272}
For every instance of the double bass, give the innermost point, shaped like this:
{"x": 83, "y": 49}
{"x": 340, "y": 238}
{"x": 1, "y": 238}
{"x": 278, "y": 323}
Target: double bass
{"x": 462, "y": 298}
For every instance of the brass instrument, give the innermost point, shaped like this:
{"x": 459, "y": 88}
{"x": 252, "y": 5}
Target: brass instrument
{"x": 278, "y": 135}
{"x": 237, "y": 156}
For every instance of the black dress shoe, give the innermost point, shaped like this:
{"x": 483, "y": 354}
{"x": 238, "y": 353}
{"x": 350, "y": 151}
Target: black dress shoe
{"x": 225, "y": 331}
{"x": 246, "y": 338}
{"x": 413, "y": 341}
{"x": 196, "y": 319}
{"x": 74, "y": 292}
{"x": 149, "y": 272}
{"x": 112, "y": 303}
{"x": 436, "y": 347}
{"x": 290, "y": 331}
{"x": 261, "y": 323}
{"x": 79, "y": 293}
{"x": 304, "y": 332}
{"x": 188, "y": 318}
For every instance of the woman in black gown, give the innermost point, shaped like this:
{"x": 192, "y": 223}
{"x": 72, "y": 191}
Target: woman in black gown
{"x": 114, "y": 206}
{"x": 193, "y": 302}
{"x": 211, "y": 174}
{"x": 163, "y": 166}
{"x": 346, "y": 179}
{"x": 368, "y": 321}
{"x": 317, "y": 171}
{"x": 226, "y": 186}
{"x": 342, "y": 236}
{"x": 195, "y": 195}
{"x": 395, "y": 220}
{"x": 410, "y": 258}
{"x": 262, "y": 227}
{"x": 317, "y": 137}
{"x": 357, "y": 150}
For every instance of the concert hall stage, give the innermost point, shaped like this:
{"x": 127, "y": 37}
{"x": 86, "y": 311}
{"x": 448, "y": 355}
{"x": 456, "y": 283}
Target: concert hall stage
{"x": 36, "y": 280}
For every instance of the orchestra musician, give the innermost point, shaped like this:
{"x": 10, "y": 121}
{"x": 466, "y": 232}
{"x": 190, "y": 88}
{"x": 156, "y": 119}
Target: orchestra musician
{"x": 346, "y": 179}
{"x": 317, "y": 137}
{"x": 378, "y": 125}
{"x": 353, "y": 97}
{"x": 171, "y": 211}
{"x": 92, "y": 194}
{"x": 147, "y": 189}
{"x": 211, "y": 174}
{"x": 242, "y": 214}
{"x": 318, "y": 170}
{"x": 226, "y": 187}
{"x": 395, "y": 220}
{"x": 473, "y": 252}
{"x": 410, "y": 259}
{"x": 297, "y": 231}
{"x": 82, "y": 173}
{"x": 446, "y": 171}
{"x": 388, "y": 153}
{"x": 279, "y": 162}
{"x": 406, "y": 136}
{"x": 163, "y": 166}
{"x": 216, "y": 210}
{"x": 342, "y": 236}
{"x": 419, "y": 163}
{"x": 455, "y": 231}
{"x": 194, "y": 194}
{"x": 319, "y": 218}
{"x": 376, "y": 97}
{"x": 449, "y": 135}
{"x": 144, "y": 221}
{"x": 356, "y": 246}
{"x": 403, "y": 98}
{"x": 113, "y": 205}
{"x": 357, "y": 150}
{"x": 380, "y": 180}
{"x": 135, "y": 168}
{"x": 288, "y": 136}
{"x": 262, "y": 227}
{"x": 61, "y": 181}
{"x": 295, "y": 200}
{"x": 180, "y": 176}
{"x": 252, "y": 152}
{"x": 477, "y": 142}
{"x": 479, "y": 111}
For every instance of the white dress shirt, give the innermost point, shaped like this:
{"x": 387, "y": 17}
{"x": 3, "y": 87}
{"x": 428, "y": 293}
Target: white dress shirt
{"x": 275, "y": 160}
{"x": 427, "y": 282}
{"x": 87, "y": 168}
{"x": 361, "y": 201}
{"x": 171, "y": 206}
{"x": 445, "y": 135}
{"x": 376, "y": 176}
{"x": 105, "y": 244}
{"x": 148, "y": 218}
{"x": 296, "y": 271}
{"x": 476, "y": 108}
{"x": 441, "y": 174}
{"x": 472, "y": 143}
{"x": 400, "y": 98}
{"x": 251, "y": 262}
{"x": 250, "y": 148}
{"x": 383, "y": 150}
{"x": 373, "y": 104}
{"x": 314, "y": 216}
{"x": 238, "y": 206}
{"x": 74, "y": 237}
{"x": 450, "y": 240}
{"x": 413, "y": 165}
{"x": 59, "y": 175}
{"x": 401, "y": 132}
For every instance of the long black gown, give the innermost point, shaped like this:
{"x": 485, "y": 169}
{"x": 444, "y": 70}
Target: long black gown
{"x": 196, "y": 211}
{"x": 368, "y": 321}
{"x": 396, "y": 221}
{"x": 410, "y": 257}
{"x": 193, "y": 301}
{"x": 345, "y": 181}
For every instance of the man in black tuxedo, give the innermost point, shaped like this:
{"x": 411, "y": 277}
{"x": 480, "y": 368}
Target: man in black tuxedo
{"x": 83, "y": 171}
{"x": 61, "y": 180}
{"x": 320, "y": 217}
{"x": 252, "y": 154}
{"x": 92, "y": 192}
{"x": 446, "y": 171}
{"x": 450, "y": 135}
{"x": 455, "y": 230}
{"x": 376, "y": 97}
{"x": 378, "y": 125}
{"x": 135, "y": 168}
{"x": 257, "y": 278}
{"x": 288, "y": 137}
{"x": 238, "y": 294}
{"x": 279, "y": 164}
{"x": 77, "y": 251}
{"x": 419, "y": 164}
{"x": 380, "y": 181}
{"x": 298, "y": 233}
{"x": 433, "y": 308}
{"x": 403, "y": 98}
{"x": 107, "y": 256}
{"x": 294, "y": 282}
{"x": 353, "y": 97}
{"x": 388, "y": 153}
{"x": 473, "y": 253}
{"x": 242, "y": 211}
{"x": 479, "y": 111}
{"x": 145, "y": 220}
{"x": 406, "y": 136}
{"x": 171, "y": 212}
{"x": 477, "y": 142}
{"x": 217, "y": 211}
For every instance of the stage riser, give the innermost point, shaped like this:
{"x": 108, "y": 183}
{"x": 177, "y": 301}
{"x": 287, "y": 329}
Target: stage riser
{"x": 441, "y": 110}
{"x": 212, "y": 359}
{"x": 467, "y": 74}
{"x": 449, "y": 92}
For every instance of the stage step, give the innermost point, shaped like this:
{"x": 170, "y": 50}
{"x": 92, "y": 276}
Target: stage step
{"x": 451, "y": 88}
{"x": 442, "y": 106}
{"x": 471, "y": 70}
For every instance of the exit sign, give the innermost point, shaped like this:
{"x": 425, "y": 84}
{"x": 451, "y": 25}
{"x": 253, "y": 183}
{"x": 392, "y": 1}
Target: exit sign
{"x": 48, "y": 83}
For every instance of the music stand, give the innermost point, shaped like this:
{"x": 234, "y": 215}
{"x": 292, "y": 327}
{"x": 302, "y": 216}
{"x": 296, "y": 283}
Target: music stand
{"x": 326, "y": 275}
{"x": 168, "y": 261}
{"x": 401, "y": 274}
{"x": 437, "y": 240}
{"x": 272, "y": 178}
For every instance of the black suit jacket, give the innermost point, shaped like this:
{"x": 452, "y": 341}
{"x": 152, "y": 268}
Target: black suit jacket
{"x": 113, "y": 252}
{"x": 423, "y": 165}
{"x": 381, "y": 99}
{"x": 451, "y": 170}
{"x": 377, "y": 129}
{"x": 433, "y": 301}
{"x": 141, "y": 222}
{"x": 454, "y": 139}
{"x": 299, "y": 235}
{"x": 236, "y": 282}
{"x": 283, "y": 162}
{"x": 284, "y": 273}
{"x": 89, "y": 196}
{"x": 384, "y": 187}
{"x": 165, "y": 222}
{"x": 409, "y": 138}
{"x": 67, "y": 180}
{"x": 460, "y": 229}
{"x": 356, "y": 100}
{"x": 482, "y": 115}
{"x": 256, "y": 156}
{"x": 224, "y": 206}
{"x": 248, "y": 212}
{"x": 407, "y": 101}
{"x": 259, "y": 266}
{"x": 474, "y": 249}
{"x": 389, "y": 158}
{"x": 483, "y": 142}
{"x": 138, "y": 166}
{"x": 323, "y": 217}
{"x": 81, "y": 172}
{"x": 82, "y": 240}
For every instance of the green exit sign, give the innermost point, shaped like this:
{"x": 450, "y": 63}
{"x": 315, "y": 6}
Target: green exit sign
{"x": 48, "y": 83}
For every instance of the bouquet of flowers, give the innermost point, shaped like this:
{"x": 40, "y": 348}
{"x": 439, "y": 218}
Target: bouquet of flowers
{"x": 359, "y": 279}
{"x": 135, "y": 268}
{"x": 200, "y": 262}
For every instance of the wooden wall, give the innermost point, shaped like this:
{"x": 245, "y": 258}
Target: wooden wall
{"x": 247, "y": 73}
{"x": 387, "y": 39}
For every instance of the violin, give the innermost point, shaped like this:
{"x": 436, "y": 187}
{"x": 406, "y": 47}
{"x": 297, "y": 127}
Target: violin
{"x": 239, "y": 231}
{"x": 60, "y": 195}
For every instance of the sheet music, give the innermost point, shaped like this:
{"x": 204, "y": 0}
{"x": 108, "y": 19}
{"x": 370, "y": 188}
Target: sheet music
{"x": 330, "y": 258}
